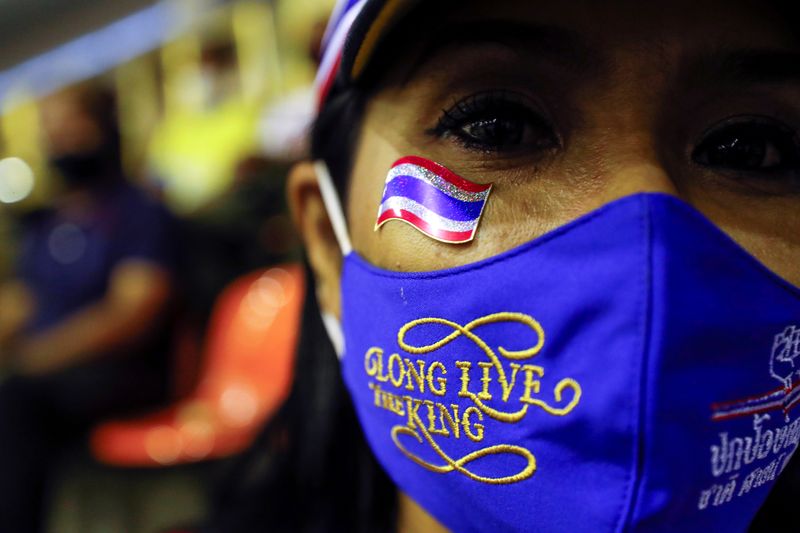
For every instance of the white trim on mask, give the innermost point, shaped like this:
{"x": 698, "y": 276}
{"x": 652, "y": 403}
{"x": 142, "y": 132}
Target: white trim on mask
{"x": 334, "y": 207}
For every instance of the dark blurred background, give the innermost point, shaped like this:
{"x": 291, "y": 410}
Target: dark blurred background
{"x": 144, "y": 148}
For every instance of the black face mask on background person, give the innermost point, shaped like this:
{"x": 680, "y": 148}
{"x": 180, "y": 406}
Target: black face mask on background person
{"x": 89, "y": 168}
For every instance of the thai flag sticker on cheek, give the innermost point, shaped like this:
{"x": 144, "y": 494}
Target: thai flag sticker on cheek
{"x": 436, "y": 201}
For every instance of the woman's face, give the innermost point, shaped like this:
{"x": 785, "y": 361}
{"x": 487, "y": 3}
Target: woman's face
{"x": 67, "y": 126}
{"x": 566, "y": 106}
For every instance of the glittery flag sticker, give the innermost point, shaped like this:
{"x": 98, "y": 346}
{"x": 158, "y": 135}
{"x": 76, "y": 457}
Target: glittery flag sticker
{"x": 436, "y": 201}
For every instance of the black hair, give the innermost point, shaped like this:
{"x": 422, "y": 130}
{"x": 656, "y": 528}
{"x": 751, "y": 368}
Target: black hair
{"x": 311, "y": 468}
{"x": 335, "y": 134}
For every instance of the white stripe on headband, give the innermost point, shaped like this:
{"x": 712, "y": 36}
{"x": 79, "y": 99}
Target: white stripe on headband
{"x": 334, "y": 49}
{"x": 333, "y": 21}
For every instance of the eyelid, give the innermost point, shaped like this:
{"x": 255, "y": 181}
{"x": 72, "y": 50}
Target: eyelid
{"x": 497, "y": 98}
{"x": 780, "y": 135}
{"x": 754, "y": 119}
{"x": 735, "y": 120}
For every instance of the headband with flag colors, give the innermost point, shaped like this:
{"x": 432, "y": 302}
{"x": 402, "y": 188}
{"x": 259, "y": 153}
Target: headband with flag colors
{"x": 433, "y": 199}
{"x": 354, "y": 31}
{"x": 342, "y": 19}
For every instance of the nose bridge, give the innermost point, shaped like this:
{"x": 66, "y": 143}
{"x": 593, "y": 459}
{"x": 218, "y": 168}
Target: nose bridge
{"x": 625, "y": 117}
{"x": 631, "y": 150}
{"x": 637, "y": 175}
{"x": 628, "y": 159}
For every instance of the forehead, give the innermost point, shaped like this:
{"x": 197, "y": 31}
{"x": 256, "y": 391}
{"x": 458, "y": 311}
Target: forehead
{"x": 588, "y": 32}
{"x": 606, "y": 20}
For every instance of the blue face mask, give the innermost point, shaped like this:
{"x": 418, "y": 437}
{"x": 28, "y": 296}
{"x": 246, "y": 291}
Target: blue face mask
{"x": 634, "y": 370}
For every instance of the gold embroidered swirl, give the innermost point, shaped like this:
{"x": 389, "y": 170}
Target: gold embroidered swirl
{"x": 458, "y": 330}
{"x": 416, "y": 428}
{"x": 459, "y": 465}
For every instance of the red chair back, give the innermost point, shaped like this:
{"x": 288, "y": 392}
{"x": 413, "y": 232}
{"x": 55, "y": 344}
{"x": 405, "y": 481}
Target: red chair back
{"x": 245, "y": 376}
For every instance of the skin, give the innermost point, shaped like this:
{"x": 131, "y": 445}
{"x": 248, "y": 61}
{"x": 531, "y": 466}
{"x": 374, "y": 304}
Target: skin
{"x": 636, "y": 98}
{"x": 138, "y": 291}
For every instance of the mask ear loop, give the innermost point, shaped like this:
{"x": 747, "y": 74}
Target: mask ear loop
{"x": 335, "y": 333}
{"x": 334, "y": 207}
{"x": 336, "y": 215}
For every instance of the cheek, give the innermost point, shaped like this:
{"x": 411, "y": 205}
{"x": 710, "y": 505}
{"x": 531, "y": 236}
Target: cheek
{"x": 525, "y": 203}
{"x": 778, "y": 253}
{"x": 783, "y": 258}
{"x": 374, "y": 157}
{"x": 769, "y": 230}
{"x": 396, "y": 245}
{"x": 514, "y": 214}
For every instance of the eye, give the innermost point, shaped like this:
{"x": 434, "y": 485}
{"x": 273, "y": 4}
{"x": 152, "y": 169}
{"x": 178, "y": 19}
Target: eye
{"x": 749, "y": 144}
{"x": 495, "y": 121}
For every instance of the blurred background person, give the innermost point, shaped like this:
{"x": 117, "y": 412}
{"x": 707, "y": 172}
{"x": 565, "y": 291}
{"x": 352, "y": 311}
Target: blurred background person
{"x": 194, "y": 150}
{"x": 213, "y": 101}
{"x": 84, "y": 326}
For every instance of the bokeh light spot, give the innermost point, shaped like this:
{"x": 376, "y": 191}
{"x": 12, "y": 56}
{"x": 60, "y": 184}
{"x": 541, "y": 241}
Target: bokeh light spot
{"x": 67, "y": 243}
{"x": 238, "y": 406}
{"x": 16, "y": 180}
{"x": 163, "y": 445}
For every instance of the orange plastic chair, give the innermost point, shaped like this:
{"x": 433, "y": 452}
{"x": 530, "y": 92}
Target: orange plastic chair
{"x": 245, "y": 376}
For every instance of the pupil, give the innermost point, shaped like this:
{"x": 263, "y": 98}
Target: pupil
{"x": 496, "y": 131}
{"x": 739, "y": 151}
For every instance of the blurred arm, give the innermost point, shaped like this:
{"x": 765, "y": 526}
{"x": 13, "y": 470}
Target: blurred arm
{"x": 138, "y": 293}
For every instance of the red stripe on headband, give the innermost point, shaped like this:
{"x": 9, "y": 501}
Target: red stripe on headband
{"x": 326, "y": 86}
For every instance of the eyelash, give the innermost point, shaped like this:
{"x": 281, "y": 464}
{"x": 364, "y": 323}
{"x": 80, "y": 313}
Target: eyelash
{"x": 775, "y": 139}
{"x": 487, "y": 111}
{"x": 756, "y": 149}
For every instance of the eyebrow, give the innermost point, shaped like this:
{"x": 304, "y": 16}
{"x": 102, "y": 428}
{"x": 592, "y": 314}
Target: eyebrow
{"x": 748, "y": 66}
{"x": 561, "y": 46}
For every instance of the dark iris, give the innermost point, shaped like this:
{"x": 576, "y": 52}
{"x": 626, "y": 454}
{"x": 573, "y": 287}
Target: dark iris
{"x": 749, "y": 147}
{"x": 495, "y": 121}
{"x": 496, "y": 131}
